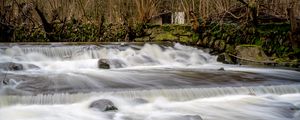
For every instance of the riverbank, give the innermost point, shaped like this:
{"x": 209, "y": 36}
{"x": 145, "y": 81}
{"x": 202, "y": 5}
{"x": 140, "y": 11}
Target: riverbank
{"x": 271, "y": 41}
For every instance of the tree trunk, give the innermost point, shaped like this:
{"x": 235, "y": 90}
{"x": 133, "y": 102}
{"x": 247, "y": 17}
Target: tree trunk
{"x": 253, "y": 10}
{"x": 293, "y": 20}
{"x": 295, "y": 33}
{"x": 48, "y": 27}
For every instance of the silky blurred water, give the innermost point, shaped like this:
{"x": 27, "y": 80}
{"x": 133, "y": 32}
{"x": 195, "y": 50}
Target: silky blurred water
{"x": 178, "y": 81}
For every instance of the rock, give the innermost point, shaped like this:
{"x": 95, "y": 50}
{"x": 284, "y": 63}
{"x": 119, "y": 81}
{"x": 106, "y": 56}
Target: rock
{"x": 251, "y": 52}
{"x": 211, "y": 43}
{"x": 138, "y": 101}
{"x": 110, "y": 63}
{"x": 225, "y": 58}
{"x": 103, "y": 64}
{"x": 165, "y": 37}
{"x": 10, "y": 66}
{"x": 5, "y": 81}
{"x": 30, "y": 66}
{"x": 205, "y": 41}
{"x": 115, "y": 63}
{"x": 199, "y": 42}
{"x": 14, "y": 92}
{"x": 221, "y": 69}
{"x": 216, "y": 45}
{"x": 16, "y": 67}
{"x": 103, "y": 105}
{"x": 142, "y": 39}
{"x": 222, "y": 45}
{"x": 185, "y": 39}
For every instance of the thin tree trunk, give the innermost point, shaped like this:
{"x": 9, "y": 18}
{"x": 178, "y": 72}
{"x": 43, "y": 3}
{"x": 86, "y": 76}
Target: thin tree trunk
{"x": 48, "y": 27}
{"x": 295, "y": 33}
{"x": 293, "y": 20}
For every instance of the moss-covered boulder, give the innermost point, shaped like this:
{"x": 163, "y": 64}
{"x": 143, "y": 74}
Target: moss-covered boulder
{"x": 103, "y": 64}
{"x": 251, "y": 54}
{"x": 225, "y": 58}
{"x": 103, "y": 105}
{"x": 165, "y": 37}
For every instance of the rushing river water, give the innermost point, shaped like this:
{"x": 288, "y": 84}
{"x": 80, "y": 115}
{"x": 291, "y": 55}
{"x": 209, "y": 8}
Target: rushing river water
{"x": 59, "y": 82}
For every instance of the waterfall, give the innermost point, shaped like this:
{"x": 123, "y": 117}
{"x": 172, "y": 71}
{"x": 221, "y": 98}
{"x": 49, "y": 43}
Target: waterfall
{"x": 59, "y": 82}
{"x": 149, "y": 54}
{"x": 171, "y": 94}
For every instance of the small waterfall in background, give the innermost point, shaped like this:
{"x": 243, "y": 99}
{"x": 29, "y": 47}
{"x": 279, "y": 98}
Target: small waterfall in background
{"x": 59, "y": 82}
{"x": 171, "y": 94}
{"x": 149, "y": 54}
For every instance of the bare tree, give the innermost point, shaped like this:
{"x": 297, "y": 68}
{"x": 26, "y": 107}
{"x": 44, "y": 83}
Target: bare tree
{"x": 146, "y": 9}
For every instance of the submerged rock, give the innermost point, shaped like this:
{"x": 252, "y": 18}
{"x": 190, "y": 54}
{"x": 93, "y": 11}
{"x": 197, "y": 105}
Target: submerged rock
{"x": 103, "y": 64}
{"x": 10, "y": 66}
{"x": 221, "y": 69}
{"x": 110, "y": 63}
{"x": 103, "y": 105}
{"x": 15, "y": 67}
{"x": 138, "y": 101}
{"x": 249, "y": 53}
{"x": 225, "y": 58}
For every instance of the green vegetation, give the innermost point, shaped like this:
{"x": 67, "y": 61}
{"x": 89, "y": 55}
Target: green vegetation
{"x": 217, "y": 24}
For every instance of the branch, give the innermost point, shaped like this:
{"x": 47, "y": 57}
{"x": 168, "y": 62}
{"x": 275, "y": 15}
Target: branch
{"x": 242, "y": 1}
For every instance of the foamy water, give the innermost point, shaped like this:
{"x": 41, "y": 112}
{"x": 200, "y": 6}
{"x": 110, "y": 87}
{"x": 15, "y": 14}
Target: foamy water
{"x": 180, "y": 83}
{"x": 246, "y": 107}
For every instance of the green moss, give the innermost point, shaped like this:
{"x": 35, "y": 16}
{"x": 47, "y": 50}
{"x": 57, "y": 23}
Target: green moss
{"x": 230, "y": 49}
{"x": 166, "y": 28}
{"x": 165, "y": 36}
{"x": 249, "y": 45}
{"x": 185, "y": 39}
{"x": 195, "y": 37}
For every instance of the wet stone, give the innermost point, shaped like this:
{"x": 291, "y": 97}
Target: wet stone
{"x": 103, "y": 105}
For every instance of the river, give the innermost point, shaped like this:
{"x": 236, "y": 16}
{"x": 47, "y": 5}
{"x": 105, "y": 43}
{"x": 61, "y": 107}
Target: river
{"x": 59, "y": 82}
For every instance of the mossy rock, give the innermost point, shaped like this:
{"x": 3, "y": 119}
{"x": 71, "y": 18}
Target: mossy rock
{"x": 199, "y": 42}
{"x": 185, "y": 39}
{"x": 205, "y": 41}
{"x": 251, "y": 52}
{"x": 225, "y": 58}
{"x": 142, "y": 39}
{"x": 211, "y": 43}
{"x": 230, "y": 49}
{"x": 187, "y": 34}
{"x": 222, "y": 45}
{"x": 216, "y": 44}
{"x": 165, "y": 37}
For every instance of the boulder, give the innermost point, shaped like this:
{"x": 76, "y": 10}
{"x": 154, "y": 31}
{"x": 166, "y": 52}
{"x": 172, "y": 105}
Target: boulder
{"x": 139, "y": 101}
{"x": 110, "y": 63}
{"x": 115, "y": 63}
{"x": 225, "y": 58}
{"x": 248, "y": 53}
{"x": 103, "y": 64}
{"x": 10, "y": 66}
{"x": 221, "y": 69}
{"x": 15, "y": 67}
{"x": 103, "y": 105}
{"x": 30, "y": 66}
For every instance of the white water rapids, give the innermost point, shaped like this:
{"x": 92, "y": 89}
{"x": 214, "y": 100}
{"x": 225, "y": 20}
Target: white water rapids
{"x": 59, "y": 82}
